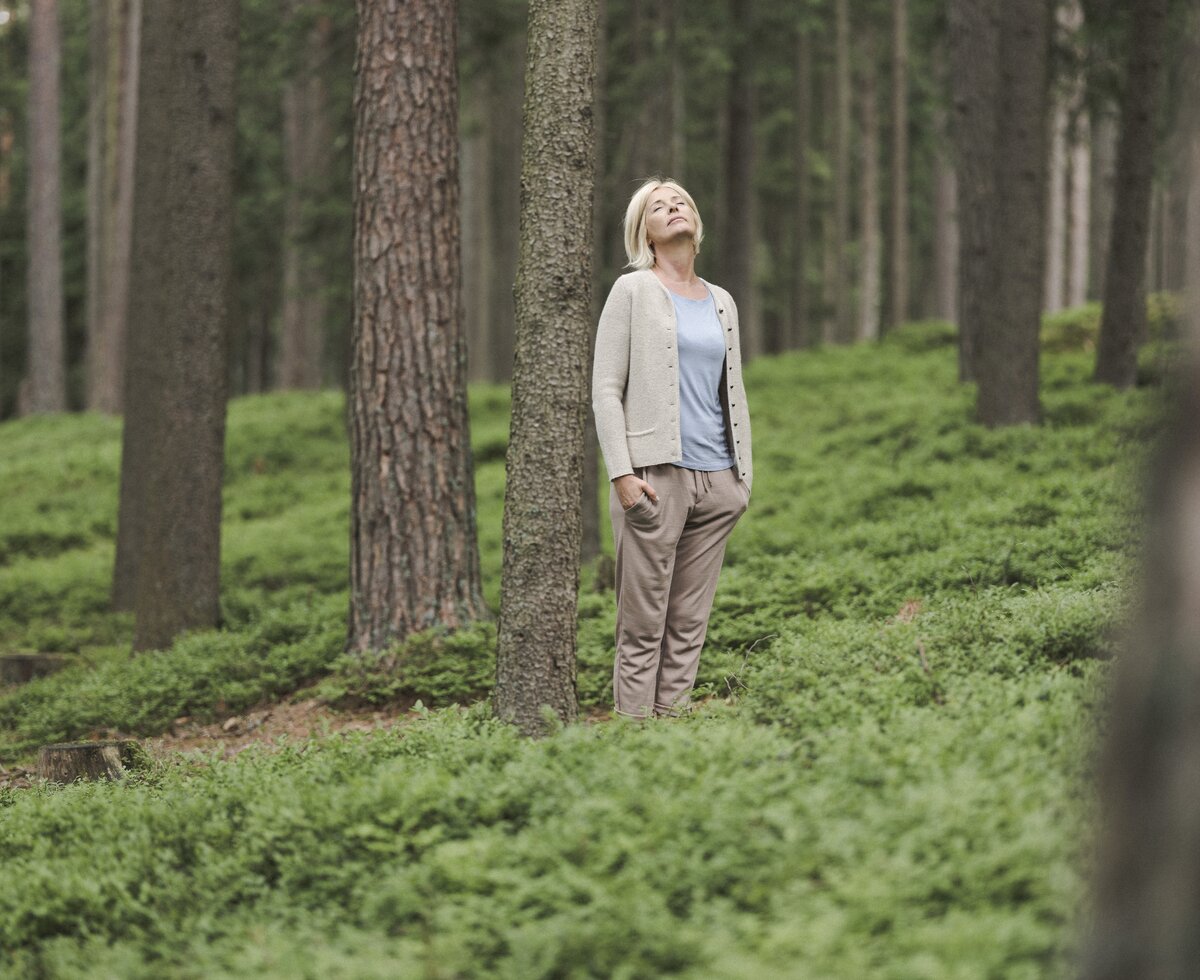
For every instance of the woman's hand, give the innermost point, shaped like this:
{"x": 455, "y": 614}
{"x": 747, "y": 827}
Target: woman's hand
{"x": 629, "y": 488}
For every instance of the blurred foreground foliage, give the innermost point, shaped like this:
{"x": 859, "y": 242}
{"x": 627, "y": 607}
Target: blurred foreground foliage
{"x": 887, "y": 775}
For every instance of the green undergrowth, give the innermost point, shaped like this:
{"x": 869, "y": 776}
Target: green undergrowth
{"x": 887, "y": 774}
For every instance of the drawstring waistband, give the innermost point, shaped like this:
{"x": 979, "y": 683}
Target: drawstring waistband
{"x": 700, "y": 477}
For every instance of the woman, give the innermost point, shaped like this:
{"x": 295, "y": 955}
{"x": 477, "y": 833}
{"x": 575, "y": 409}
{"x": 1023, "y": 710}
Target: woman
{"x": 675, "y": 433}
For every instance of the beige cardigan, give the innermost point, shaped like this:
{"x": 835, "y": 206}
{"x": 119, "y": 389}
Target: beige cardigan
{"x": 635, "y": 378}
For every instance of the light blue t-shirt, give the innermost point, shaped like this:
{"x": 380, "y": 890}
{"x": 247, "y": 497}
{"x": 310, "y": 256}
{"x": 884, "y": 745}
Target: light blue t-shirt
{"x": 701, "y": 359}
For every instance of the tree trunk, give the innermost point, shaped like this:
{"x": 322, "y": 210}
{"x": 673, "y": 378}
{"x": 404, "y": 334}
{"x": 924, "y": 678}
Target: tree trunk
{"x": 1123, "y": 322}
{"x": 307, "y": 139}
{"x": 974, "y": 54}
{"x": 946, "y": 231}
{"x": 477, "y": 225}
{"x": 871, "y": 282}
{"x": 799, "y": 334}
{"x": 1079, "y": 238}
{"x": 1008, "y": 345}
{"x": 176, "y": 376}
{"x": 414, "y": 559}
{"x": 843, "y": 328}
{"x": 67, "y": 762}
{"x": 46, "y": 358}
{"x": 1103, "y": 193}
{"x": 741, "y": 199}
{"x": 899, "y": 163}
{"x": 677, "y": 72}
{"x": 1056, "y": 208}
{"x": 535, "y": 661}
{"x": 1146, "y": 896}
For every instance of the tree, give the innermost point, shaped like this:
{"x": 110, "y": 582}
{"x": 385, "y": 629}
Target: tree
{"x": 1123, "y": 322}
{"x": 871, "y": 268}
{"x": 414, "y": 559}
{"x": 899, "y": 265}
{"x": 535, "y": 662}
{"x": 842, "y": 327}
{"x": 176, "y": 372}
{"x": 741, "y": 200}
{"x": 799, "y": 332}
{"x": 46, "y": 383}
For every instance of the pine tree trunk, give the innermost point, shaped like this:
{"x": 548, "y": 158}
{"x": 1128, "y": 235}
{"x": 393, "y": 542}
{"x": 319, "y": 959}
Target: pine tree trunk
{"x": 974, "y": 31}
{"x": 1056, "y": 208}
{"x": 899, "y": 163}
{"x": 1079, "y": 238}
{"x": 673, "y": 14}
{"x": 1103, "y": 194}
{"x": 414, "y": 559}
{"x": 101, "y": 96}
{"x": 176, "y": 375}
{"x": 843, "y": 327}
{"x": 741, "y": 199}
{"x": 1007, "y": 347}
{"x": 46, "y": 357}
{"x": 535, "y": 661}
{"x": 871, "y": 283}
{"x": 307, "y": 138}
{"x": 1123, "y": 322}
{"x": 799, "y": 332}
{"x": 477, "y": 225}
{"x": 946, "y": 232}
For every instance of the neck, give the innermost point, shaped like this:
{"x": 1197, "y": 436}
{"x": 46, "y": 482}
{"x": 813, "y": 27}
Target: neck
{"x": 676, "y": 262}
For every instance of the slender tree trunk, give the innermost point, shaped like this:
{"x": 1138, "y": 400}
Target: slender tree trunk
{"x": 799, "y": 333}
{"x": 1007, "y": 347}
{"x": 101, "y": 97}
{"x": 673, "y": 12}
{"x": 1123, "y": 322}
{"x": 1103, "y": 194}
{"x": 176, "y": 377}
{"x": 843, "y": 326}
{"x": 974, "y": 54}
{"x": 871, "y": 283}
{"x": 414, "y": 559}
{"x": 1080, "y": 237}
{"x": 307, "y": 138}
{"x": 1056, "y": 208}
{"x": 46, "y": 358}
{"x": 899, "y": 163}
{"x": 535, "y": 661}
{"x": 741, "y": 206}
{"x": 477, "y": 229}
{"x": 946, "y": 234}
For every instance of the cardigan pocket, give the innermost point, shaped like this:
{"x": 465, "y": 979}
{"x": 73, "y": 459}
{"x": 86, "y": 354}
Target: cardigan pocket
{"x": 641, "y": 432}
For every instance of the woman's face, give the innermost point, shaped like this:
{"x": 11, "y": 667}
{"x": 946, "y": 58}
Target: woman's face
{"x": 668, "y": 217}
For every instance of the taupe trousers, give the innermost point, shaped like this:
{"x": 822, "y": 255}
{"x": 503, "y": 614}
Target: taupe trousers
{"x": 669, "y": 557}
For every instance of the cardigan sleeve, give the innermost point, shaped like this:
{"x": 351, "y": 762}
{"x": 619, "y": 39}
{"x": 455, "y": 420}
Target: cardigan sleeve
{"x": 610, "y": 373}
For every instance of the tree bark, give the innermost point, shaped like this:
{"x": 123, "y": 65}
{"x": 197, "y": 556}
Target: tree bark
{"x": 414, "y": 559}
{"x": 946, "y": 230}
{"x": 871, "y": 270}
{"x": 46, "y": 358}
{"x": 1056, "y": 208}
{"x": 1103, "y": 193}
{"x": 741, "y": 162}
{"x": 176, "y": 375}
{"x": 307, "y": 139}
{"x": 1008, "y": 345}
{"x": 799, "y": 333}
{"x": 67, "y": 762}
{"x": 843, "y": 328}
{"x": 1079, "y": 238}
{"x": 974, "y": 31}
{"x": 899, "y": 163}
{"x": 477, "y": 225}
{"x": 1123, "y": 322}
{"x": 535, "y": 661}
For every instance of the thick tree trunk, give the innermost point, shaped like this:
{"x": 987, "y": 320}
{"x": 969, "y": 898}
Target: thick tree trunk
{"x": 799, "y": 332}
{"x": 535, "y": 661}
{"x": 46, "y": 357}
{"x": 414, "y": 559}
{"x": 899, "y": 262}
{"x": 974, "y": 54}
{"x": 176, "y": 377}
{"x": 741, "y": 208}
{"x": 871, "y": 281}
{"x": 1123, "y": 322}
{"x": 843, "y": 328}
{"x": 1008, "y": 346}
{"x": 307, "y": 141}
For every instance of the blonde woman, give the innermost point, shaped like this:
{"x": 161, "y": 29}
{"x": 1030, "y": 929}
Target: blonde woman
{"x": 674, "y": 429}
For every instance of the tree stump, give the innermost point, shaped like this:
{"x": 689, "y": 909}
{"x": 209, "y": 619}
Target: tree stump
{"x": 67, "y": 762}
{"x": 20, "y": 668}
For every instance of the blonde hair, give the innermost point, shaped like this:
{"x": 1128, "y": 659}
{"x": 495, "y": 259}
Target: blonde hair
{"x": 637, "y": 245}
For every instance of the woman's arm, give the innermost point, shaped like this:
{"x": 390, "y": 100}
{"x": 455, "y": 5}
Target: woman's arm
{"x": 610, "y": 372}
